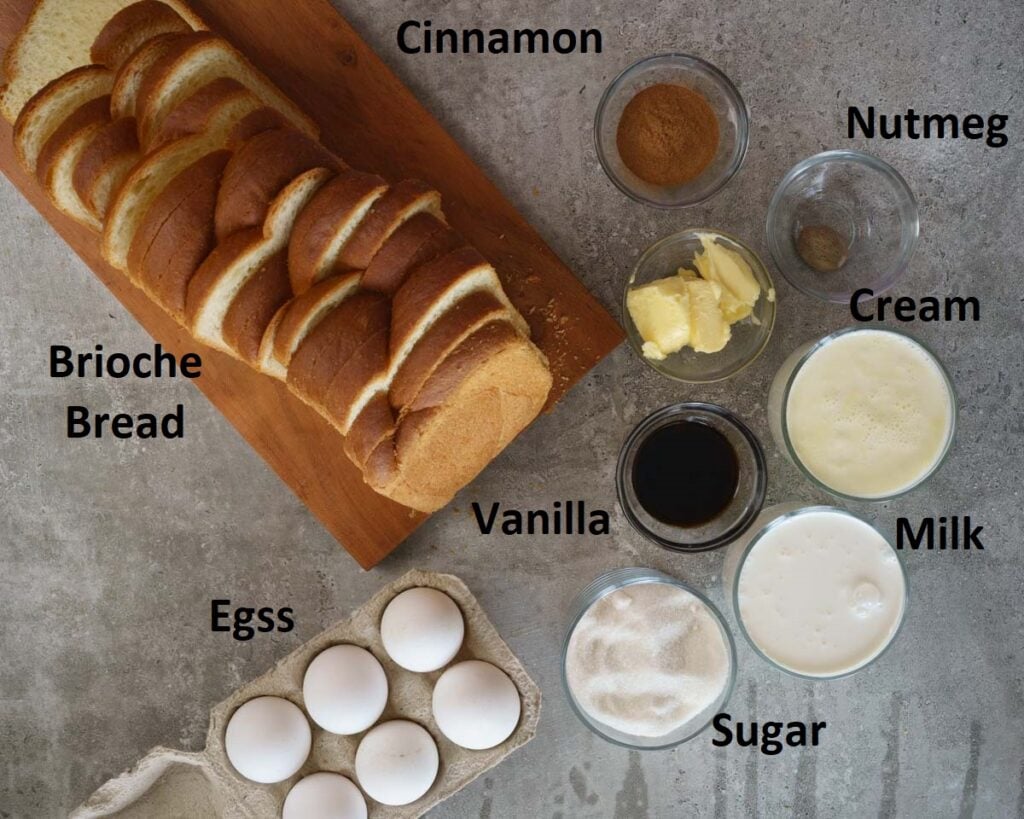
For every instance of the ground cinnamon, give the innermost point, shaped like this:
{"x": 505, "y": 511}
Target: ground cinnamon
{"x": 668, "y": 135}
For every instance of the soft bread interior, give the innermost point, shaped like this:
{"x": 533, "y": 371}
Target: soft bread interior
{"x": 59, "y": 180}
{"x": 56, "y": 39}
{"x": 203, "y": 61}
{"x": 48, "y": 109}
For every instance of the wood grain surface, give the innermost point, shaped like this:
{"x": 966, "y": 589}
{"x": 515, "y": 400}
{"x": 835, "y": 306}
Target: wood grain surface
{"x": 372, "y": 120}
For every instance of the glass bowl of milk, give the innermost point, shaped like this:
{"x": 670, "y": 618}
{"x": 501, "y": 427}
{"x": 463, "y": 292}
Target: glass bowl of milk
{"x": 865, "y": 414}
{"x": 818, "y": 592}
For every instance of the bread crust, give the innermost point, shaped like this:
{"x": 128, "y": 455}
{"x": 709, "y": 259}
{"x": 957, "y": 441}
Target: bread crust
{"x": 132, "y": 26}
{"x": 329, "y": 219}
{"x": 104, "y": 164}
{"x": 306, "y": 310}
{"x": 401, "y": 202}
{"x": 192, "y": 115}
{"x": 89, "y": 114}
{"x": 259, "y": 170}
{"x": 254, "y": 307}
{"x": 421, "y": 239}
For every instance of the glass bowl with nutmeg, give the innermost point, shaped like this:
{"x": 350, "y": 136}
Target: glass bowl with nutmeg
{"x": 671, "y": 130}
{"x": 699, "y": 306}
{"x": 842, "y": 224}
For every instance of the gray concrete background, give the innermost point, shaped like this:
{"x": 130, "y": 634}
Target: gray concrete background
{"x": 111, "y": 551}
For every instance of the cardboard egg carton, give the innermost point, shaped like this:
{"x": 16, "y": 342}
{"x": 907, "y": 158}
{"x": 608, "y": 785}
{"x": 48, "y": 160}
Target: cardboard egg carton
{"x": 170, "y": 784}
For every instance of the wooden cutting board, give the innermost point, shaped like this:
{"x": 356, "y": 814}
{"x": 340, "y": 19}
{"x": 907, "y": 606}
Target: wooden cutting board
{"x": 372, "y": 120}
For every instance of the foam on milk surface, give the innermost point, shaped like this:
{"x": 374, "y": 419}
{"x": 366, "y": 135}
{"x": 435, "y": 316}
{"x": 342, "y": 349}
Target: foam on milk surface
{"x": 869, "y": 413}
{"x": 646, "y": 659}
{"x": 821, "y": 593}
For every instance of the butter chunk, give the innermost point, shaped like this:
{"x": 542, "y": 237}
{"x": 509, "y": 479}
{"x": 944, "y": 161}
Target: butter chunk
{"x": 661, "y": 312}
{"x": 709, "y": 331}
{"x": 740, "y": 290}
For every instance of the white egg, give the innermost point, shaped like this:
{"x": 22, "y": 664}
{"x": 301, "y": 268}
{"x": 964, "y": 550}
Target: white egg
{"x": 396, "y": 762}
{"x": 267, "y": 739}
{"x": 422, "y": 629}
{"x": 476, "y": 705}
{"x": 345, "y": 689}
{"x": 324, "y": 796}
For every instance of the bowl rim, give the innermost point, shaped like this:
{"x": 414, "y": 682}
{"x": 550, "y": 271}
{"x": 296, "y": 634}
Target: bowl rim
{"x": 666, "y": 413}
{"x": 860, "y": 158}
{"x": 769, "y": 324}
{"x": 612, "y": 581}
{"x": 781, "y": 520}
{"x": 817, "y": 346}
{"x": 730, "y": 90}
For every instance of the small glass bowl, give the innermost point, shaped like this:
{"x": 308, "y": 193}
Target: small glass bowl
{"x": 749, "y": 336}
{"x": 735, "y": 518}
{"x": 697, "y": 75}
{"x": 736, "y": 557}
{"x": 866, "y": 202}
{"x": 778, "y": 401}
{"x": 613, "y": 581}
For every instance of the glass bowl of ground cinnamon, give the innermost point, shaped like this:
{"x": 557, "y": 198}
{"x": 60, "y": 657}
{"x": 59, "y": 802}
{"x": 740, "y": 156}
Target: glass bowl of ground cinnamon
{"x": 671, "y": 130}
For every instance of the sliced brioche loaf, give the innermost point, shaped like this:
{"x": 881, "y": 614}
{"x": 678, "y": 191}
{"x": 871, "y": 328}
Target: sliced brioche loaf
{"x": 56, "y": 39}
{"x": 297, "y": 318}
{"x": 57, "y": 160}
{"x": 400, "y": 203}
{"x": 133, "y": 71}
{"x": 323, "y": 228}
{"x": 255, "y": 306}
{"x": 260, "y": 169}
{"x": 423, "y": 238}
{"x": 176, "y": 234}
{"x": 47, "y": 110}
{"x": 238, "y": 256}
{"x": 131, "y": 27}
{"x": 330, "y": 344}
{"x": 192, "y": 63}
{"x": 193, "y": 114}
{"x": 104, "y": 164}
{"x": 151, "y": 176}
{"x": 431, "y": 290}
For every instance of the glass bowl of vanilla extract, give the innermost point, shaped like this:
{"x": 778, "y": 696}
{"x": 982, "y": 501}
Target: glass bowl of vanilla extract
{"x": 691, "y": 477}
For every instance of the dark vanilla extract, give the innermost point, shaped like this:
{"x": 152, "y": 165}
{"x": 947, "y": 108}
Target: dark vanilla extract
{"x": 685, "y": 473}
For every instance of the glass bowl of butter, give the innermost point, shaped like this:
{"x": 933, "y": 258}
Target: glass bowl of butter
{"x": 699, "y": 306}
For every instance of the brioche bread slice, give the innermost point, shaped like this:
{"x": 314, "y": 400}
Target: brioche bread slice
{"x": 130, "y": 28}
{"x": 255, "y": 306}
{"x": 129, "y": 77}
{"x": 56, "y": 39}
{"x": 151, "y": 176}
{"x": 374, "y": 425}
{"x": 260, "y": 169}
{"x": 332, "y": 342}
{"x": 468, "y": 315}
{"x": 477, "y": 401}
{"x": 104, "y": 164}
{"x": 431, "y": 290}
{"x": 364, "y": 375}
{"x": 193, "y": 62}
{"x": 176, "y": 234}
{"x": 192, "y": 115}
{"x": 237, "y": 258}
{"x": 46, "y": 111}
{"x": 255, "y": 122}
{"x": 400, "y": 203}
{"x": 423, "y": 238}
{"x": 297, "y": 318}
{"x": 323, "y": 228}
{"x": 56, "y": 163}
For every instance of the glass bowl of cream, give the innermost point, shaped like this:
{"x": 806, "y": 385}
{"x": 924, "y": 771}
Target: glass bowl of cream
{"x": 699, "y": 306}
{"x": 647, "y": 661}
{"x": 817, "y": 591}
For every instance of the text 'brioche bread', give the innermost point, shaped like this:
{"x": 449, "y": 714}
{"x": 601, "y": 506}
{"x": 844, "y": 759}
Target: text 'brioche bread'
{"x": 239, "y": 256}
{"x": 176, "y": 234}
{"x": 56, "y": 39}
{"x": 260, "y": 169}
{"x": 191, "y": 63}
{"x": 104, "y": 164}
{"x": 326, "y": 224}
{"x": 47, "y": 110}
{"x": 130, "y": 28}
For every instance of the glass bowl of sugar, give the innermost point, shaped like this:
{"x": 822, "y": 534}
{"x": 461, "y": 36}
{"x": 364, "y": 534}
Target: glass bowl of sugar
{"x": 647, "y": 661}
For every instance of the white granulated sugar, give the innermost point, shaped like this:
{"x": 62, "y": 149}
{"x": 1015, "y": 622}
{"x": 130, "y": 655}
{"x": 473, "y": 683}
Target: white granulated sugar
{"x": 646, "y": 659}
